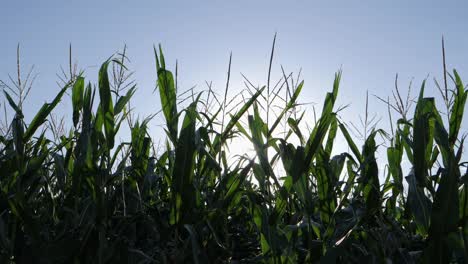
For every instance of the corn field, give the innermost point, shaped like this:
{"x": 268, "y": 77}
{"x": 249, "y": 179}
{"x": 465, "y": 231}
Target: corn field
{"x": 84, "y": 196}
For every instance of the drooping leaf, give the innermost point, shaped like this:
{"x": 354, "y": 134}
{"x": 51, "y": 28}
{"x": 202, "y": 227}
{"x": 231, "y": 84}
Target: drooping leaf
{"x": 42, "y": 115}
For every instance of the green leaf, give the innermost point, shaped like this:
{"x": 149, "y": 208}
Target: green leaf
{"x": 13, "y": 104}
{"x": 419, "y": 204}
{"x": 423, "y": 135}
{"x": 457, "y": 110}
{"x": 183, "y": 170}
{"x": 107, "y": 107}
{"x": 445, "y": 209}
{"x": 330, "y": 98}
{"x": 233, "y": 183}
{"x": 316, "y": 137}
{"x": 77, "y": 98}
{"x": 168, "y": 95}
{"x": 291, "y": 104}
{"x": 370, "y": 175}
{"x": 350, "y": 142}
{"x": 331, "y": 136}
{"x": 221, "y": 139}
{"x": 123, "y": 100}
{"x": 42, "y": 115}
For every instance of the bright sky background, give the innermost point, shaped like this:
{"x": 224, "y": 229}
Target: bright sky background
{"x": 370, "y": 40}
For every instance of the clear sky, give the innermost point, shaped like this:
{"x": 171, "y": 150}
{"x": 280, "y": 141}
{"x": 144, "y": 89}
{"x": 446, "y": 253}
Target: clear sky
{"x": 370, "y": 40}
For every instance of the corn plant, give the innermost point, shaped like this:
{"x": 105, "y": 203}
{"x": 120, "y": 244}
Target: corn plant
{"x": 88, "y": 195}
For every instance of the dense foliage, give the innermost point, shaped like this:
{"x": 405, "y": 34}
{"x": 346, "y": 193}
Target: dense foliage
{"x": 82, "y": 197}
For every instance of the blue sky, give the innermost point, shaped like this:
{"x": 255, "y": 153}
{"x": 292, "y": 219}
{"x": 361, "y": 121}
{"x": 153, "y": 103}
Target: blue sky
{"x": 370, "y": 40}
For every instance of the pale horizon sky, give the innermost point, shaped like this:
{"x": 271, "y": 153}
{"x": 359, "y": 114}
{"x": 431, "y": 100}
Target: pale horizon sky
{"x": 370, "y": 41}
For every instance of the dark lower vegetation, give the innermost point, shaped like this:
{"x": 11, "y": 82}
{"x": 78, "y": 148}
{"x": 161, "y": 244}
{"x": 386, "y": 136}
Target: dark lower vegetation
{"x": 82, "y": 197}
